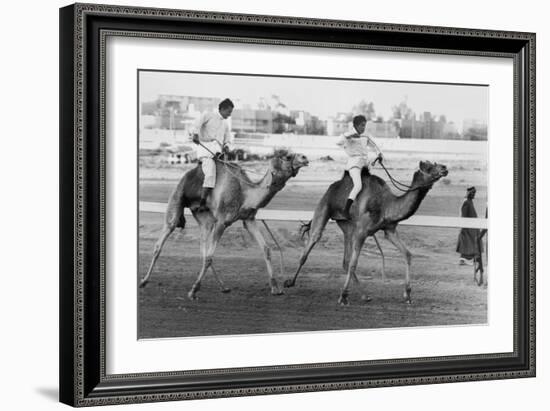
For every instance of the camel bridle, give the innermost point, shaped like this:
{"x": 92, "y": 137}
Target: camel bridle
{"x": 228, "y": 165}
{"x": 293, "y": 171}
{"x": 405, "y": 188}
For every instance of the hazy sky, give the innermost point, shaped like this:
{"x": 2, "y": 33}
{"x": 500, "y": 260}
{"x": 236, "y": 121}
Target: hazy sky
{"x": 324, "y": 97}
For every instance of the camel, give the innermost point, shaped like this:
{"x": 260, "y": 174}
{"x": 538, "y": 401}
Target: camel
{"x": 235, "y": 197}
{"x": 376, "y": 208}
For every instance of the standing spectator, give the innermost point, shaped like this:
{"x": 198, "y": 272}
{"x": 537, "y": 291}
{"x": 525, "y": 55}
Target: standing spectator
{"x": 467, "y": 245}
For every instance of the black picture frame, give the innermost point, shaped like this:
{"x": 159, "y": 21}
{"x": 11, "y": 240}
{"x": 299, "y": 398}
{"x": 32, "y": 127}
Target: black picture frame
{"x": 83, "y": 29}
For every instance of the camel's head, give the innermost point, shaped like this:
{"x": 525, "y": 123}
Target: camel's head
{"x": 287, "y": 163}
{"x": 432, "y": 171}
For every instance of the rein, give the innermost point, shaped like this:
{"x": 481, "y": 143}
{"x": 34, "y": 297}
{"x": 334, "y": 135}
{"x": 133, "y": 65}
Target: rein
{"x": 227, "y": 163}
{"x": 396, "y": 183}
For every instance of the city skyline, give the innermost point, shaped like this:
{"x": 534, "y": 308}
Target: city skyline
{"x": 324, "y": 97}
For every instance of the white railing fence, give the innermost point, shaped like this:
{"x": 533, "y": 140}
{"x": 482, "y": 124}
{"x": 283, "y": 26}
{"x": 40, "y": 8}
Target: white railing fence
{"x": 296, "y": 215}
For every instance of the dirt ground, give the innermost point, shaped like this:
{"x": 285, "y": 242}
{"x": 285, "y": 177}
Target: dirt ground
{"x": 443, "y": 292}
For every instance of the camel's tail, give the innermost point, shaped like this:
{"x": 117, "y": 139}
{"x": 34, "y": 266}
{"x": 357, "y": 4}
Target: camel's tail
{"x": 304, "y": 229}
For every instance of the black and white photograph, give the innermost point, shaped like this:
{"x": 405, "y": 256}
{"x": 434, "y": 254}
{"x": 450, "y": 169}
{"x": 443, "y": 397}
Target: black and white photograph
{"x": 272, "y": 206}
{"x": 259, "y": 204}
{"x": 283, "y": 204}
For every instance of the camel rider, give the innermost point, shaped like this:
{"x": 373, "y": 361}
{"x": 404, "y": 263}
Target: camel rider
{"x": 212, "y": 134}
{"x": 356, "y": 144}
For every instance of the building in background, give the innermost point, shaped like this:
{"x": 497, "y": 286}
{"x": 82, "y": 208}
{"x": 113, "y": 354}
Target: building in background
{"x": 248, "y": 120}
{"x": 473, "y": 129}
{"x": 438, "y": 128}
{"x": 169, "y": 119}
{"x": 383, "y": 129}
{"x": 173, "y": 112}
{"x": 338, "y": 124}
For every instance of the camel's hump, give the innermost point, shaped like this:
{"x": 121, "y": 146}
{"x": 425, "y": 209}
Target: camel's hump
{"x": 339, "y": 190}
{"x": 366, "y": 178}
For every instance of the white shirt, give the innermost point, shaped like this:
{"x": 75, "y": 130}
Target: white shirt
{"x": 213, "y": 127}
{"x": 357, "y": 146}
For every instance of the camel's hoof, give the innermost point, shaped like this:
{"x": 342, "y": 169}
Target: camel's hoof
{"x": 143, "y": 284}
{"x": 407, "y": 296}
{"x": 343, "y": 301}
{"x": 366, "y": 298}
{"x": 191, "y": 295}
{"x": 226, "y": 290}
{"x": 289, "y": 283}
{"x": 275, "y": 290}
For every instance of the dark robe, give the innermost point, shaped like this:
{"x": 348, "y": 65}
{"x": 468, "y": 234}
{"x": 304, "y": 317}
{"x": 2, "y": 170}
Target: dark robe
{"x": 467, "y": 244}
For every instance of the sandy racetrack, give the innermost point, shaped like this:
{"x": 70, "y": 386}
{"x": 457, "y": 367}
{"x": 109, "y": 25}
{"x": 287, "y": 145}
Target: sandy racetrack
{"x": 443, "y": 292}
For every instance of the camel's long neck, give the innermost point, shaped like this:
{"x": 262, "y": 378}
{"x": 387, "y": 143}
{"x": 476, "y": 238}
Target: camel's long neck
{"x": 261, "y": 193}
{"x": 406, "y": 205}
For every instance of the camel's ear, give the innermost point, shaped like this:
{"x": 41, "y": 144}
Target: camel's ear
{"x": 421, "y": 165}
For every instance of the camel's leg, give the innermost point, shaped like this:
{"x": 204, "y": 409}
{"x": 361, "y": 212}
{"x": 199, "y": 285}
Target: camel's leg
{"x": 347, "y": 229}
{"x": 205, "y": 231}
{"x": 174, "y": 213}
{"x": 357, "y": 242}
{"x": 290, "y": 282}
{"x": 318, "y": 223}
{"x": 254, "y": 230}
{"x": 223, "y": 288}
{"x": 166, "y": 231}
{"x": 345, "y": 260}
{"x": 354, "y": 277}
{"x": 364, "y": 296}
{"x": 391, "y": 234}
{"x": 211, "y": 236}
{"x": 381, "y": 254}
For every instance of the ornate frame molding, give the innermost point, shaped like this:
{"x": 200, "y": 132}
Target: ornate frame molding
{"x": 82, "y": 387}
